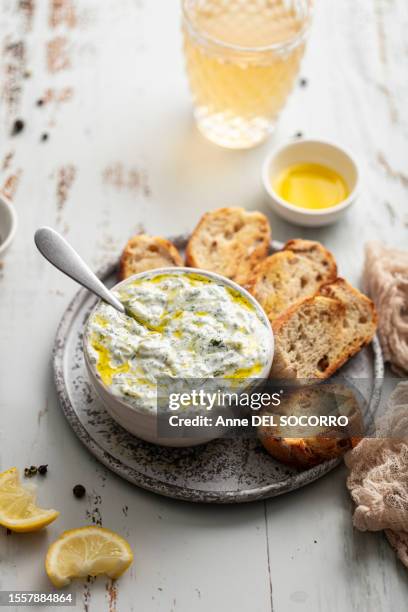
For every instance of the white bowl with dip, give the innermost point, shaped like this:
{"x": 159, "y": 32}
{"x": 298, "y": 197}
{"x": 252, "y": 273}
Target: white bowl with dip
{"x": 326, "y": 155}
{"x": 190, "y": 314}
{"x": 8, "y": 223}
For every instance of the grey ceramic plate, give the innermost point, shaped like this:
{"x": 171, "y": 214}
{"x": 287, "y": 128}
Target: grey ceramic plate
{"x": 222, "y": 471}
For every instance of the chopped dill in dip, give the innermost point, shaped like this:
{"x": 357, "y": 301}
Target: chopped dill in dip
{"x": 185, "y": 326}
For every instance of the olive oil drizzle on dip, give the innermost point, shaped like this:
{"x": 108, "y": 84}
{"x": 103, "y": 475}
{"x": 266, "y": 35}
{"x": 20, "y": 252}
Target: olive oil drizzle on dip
{"x": 195, "y": 327}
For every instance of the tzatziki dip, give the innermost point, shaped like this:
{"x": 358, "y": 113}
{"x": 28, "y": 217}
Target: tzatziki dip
{"x": 184, "y": 325}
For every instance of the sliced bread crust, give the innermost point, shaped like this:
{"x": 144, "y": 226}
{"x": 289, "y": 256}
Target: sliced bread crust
{"x": 304, "y": 453}
{"x": 285, "y": 278}
{"x": 317, "y": 253}
{"x": 304, "y": 447}
{"x": 317, "y": 336}
{"x": 144, "y": 252}
{"x": 231, "y": 242}
{"x": 306, "y": 339}
{"x": 360, "y": 322}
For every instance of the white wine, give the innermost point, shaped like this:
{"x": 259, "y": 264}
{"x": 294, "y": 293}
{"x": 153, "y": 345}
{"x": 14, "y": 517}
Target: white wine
{"x": 242, "y": 58}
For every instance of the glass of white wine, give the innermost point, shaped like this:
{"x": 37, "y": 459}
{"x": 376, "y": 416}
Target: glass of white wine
{"x": 242, "y": 59}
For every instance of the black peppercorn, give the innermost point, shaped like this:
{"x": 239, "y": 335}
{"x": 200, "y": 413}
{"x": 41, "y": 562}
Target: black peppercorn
{"x": 43, "y": 469}
{"x": 44, "y": 136}
{"x": 18, "y": 126}
{"x": 79, "y": 491}
{"x": 303, "y": 82}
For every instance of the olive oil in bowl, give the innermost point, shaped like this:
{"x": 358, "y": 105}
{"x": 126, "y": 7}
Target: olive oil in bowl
{"x": 311, "y": 186}
{"x": 311, "y": 182}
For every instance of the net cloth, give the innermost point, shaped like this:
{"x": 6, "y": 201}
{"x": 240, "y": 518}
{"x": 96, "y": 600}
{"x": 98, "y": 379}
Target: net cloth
{"x": 378, "y": 479}
{"x": 386, "y": 281}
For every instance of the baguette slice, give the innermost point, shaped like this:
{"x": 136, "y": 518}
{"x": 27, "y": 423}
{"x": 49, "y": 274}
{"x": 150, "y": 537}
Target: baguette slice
{"x": 144, "y": 252}
{"x": 230, "y": 241}
{"x": 361, "y": 319}
{"x": 304, "y": 447}
{"x": 284, "y": 278}
{"x": 307, "y": 338}
{"x": 316, "y": 337}
{"x": 315, "y": 252}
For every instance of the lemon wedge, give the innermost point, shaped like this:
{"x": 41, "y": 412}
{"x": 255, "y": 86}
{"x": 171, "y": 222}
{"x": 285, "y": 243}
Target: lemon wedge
{"x": 18, "y": 511}
{"x": 87, "y": 551}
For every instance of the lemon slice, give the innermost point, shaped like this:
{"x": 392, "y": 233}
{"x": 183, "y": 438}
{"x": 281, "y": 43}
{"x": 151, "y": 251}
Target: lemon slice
{"x": 18, "y": 511}
{"x": 87, "y": 551}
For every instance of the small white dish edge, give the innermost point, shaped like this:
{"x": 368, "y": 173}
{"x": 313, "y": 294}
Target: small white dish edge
{"x": 7, "y": 211}
{"x": 326, "y": 152}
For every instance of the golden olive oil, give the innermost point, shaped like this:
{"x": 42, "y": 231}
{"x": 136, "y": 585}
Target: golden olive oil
{"x": 311, "y": 186}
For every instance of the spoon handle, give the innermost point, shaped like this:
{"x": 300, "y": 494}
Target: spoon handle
{"x": 58, "y": 252}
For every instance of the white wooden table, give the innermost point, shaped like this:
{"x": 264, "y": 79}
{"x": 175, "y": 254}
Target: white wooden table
{"x": 122, "y": 154}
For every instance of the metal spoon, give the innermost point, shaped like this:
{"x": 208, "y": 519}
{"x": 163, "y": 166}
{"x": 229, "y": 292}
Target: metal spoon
{"x": 61, "y": 254}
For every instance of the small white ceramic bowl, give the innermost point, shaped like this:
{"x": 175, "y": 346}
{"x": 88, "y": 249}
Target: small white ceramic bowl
{"x": 143, "y": 423}
{"x": 310, "y": 151}
{"x": 8, "y": 223}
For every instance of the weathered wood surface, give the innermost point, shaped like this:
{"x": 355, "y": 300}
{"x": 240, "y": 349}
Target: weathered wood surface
{"x": 121, "y": 154}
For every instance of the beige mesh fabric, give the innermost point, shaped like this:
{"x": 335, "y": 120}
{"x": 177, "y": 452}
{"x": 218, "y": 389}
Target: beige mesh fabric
{"x": 378, "y": 479}
{"x": 399, "y": 542}
{"x": 386, "y": 281}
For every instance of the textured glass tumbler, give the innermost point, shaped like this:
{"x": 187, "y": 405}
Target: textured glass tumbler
{"x": 242, "y": 59}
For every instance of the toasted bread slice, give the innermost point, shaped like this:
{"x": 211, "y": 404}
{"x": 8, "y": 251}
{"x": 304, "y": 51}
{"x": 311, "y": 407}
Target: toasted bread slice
{"x": 230, "y": 241}
{"x": 316, "y": 337}
{"x": 283, "y": 279}
{"x": 144, "y": 252}
{"x": 307, "y": 339}
{"x": 306, "y": 446}
{"x": 360, "y": 323}
{"x": 317, "y": 253}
